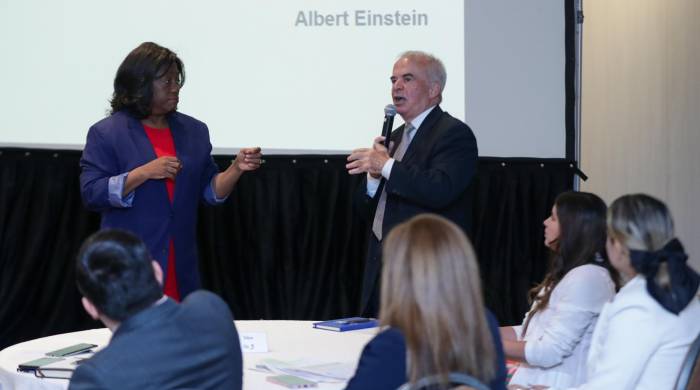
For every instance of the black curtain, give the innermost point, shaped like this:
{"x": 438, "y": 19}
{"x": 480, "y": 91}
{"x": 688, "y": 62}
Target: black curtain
{"x": 42, "y": 223}
{"x": 512, "y": 199}
{"x": 287, "y": 244}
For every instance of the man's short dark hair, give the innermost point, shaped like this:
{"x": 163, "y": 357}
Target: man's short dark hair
{"x": 114, "y": 272}
{"x": 133, "y": 84}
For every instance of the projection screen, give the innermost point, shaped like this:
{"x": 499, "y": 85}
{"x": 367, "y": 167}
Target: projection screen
{"x": 295, "y": 77}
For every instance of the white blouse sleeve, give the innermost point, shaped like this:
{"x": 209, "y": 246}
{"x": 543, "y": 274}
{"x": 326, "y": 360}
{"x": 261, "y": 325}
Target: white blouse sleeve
{"x": 518, "y": 329}
{"x": 581, "y": 295}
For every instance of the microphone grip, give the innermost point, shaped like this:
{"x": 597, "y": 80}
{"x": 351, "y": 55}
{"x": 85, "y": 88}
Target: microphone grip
{"x": 386, "y": 129}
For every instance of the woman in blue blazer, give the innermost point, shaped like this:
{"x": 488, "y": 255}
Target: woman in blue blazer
{"x": 433, "y": 311}
{"x": 146, "y": 167}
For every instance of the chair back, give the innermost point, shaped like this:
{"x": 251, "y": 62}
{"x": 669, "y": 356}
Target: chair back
{"x": 459, "y": 380}
{"x": 689, "y": 377}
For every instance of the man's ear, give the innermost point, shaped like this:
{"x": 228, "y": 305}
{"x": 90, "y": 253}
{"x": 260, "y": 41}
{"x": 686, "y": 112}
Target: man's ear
{"x": 90, "y": 309}
{"x": 157, "y": 271}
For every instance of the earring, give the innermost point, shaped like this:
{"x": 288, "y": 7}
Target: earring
{"x": 598, "y": 257}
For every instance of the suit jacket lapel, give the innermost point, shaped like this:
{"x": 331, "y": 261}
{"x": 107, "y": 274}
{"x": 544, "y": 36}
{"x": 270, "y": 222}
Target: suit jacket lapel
{"x": 422, "y": 133}
{"x": 143, "y": 144}
{"x": 395, "y": 138}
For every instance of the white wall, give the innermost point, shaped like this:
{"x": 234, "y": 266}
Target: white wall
{"x": 641, "y": 105}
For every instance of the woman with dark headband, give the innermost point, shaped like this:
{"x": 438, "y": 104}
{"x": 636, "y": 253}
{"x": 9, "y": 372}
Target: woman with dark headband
{"x": 643, "y": 335}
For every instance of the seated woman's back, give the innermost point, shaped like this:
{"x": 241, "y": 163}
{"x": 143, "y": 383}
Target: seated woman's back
{"x": 648, "y": 342}
{"x": 432, "y": 308}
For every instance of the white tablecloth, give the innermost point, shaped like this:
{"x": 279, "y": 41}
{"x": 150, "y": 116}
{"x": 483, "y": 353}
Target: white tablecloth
{"x": 287, "y": 340}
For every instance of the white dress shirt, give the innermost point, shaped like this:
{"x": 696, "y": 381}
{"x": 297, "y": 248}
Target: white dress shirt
{"x": 638, "y": 344}
{"x": 558, "y": 337}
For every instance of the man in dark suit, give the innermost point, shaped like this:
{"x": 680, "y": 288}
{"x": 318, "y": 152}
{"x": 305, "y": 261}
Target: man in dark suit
{"x": 156, "y": 342}
{"x": 431, "y": 161}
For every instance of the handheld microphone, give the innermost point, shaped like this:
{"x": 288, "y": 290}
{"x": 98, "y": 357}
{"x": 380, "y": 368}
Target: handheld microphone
{"x": 389, "y": 113}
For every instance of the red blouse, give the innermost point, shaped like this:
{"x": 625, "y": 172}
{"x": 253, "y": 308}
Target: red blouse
{"x": 163, "y": 145}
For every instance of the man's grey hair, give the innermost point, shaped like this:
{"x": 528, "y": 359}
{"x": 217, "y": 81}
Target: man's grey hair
{"x": 434, "y": 67}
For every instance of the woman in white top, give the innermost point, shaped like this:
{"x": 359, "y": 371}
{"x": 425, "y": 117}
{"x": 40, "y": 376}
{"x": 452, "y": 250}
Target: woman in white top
{"x": 553, "y": 341}
{"x": 643, "y": 335}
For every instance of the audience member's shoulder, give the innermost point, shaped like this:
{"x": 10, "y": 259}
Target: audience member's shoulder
{"x": 389, "y": 340}
{"x": 206, "y": 302}
{"x": 589, "y": 285}
{"x": 205, "y": 297}
{"x": 634, "y": 308}
{"x": 635, "y": 296}
{"x": 589, "y": 273}
{"x": 391, "y": 336}
{"x": 633, "y": 301}
{"x": 382, "y": 364}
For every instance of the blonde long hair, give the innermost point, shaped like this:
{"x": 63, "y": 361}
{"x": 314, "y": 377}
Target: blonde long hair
{"x": 431, "y": 291}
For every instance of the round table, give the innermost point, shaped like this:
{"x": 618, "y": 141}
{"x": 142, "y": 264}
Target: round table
{"x": 287, "y": 340}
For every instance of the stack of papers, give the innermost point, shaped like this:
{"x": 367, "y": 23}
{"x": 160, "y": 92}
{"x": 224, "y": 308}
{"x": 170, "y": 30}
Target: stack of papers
{"x": 315, "y": 371}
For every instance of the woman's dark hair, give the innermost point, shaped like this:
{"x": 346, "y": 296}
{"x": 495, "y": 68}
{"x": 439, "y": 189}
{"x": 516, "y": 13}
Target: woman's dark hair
{"x": 582, "y": 235}
{"x": 133, "y": 84}
{"x": 114, "y": 272}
